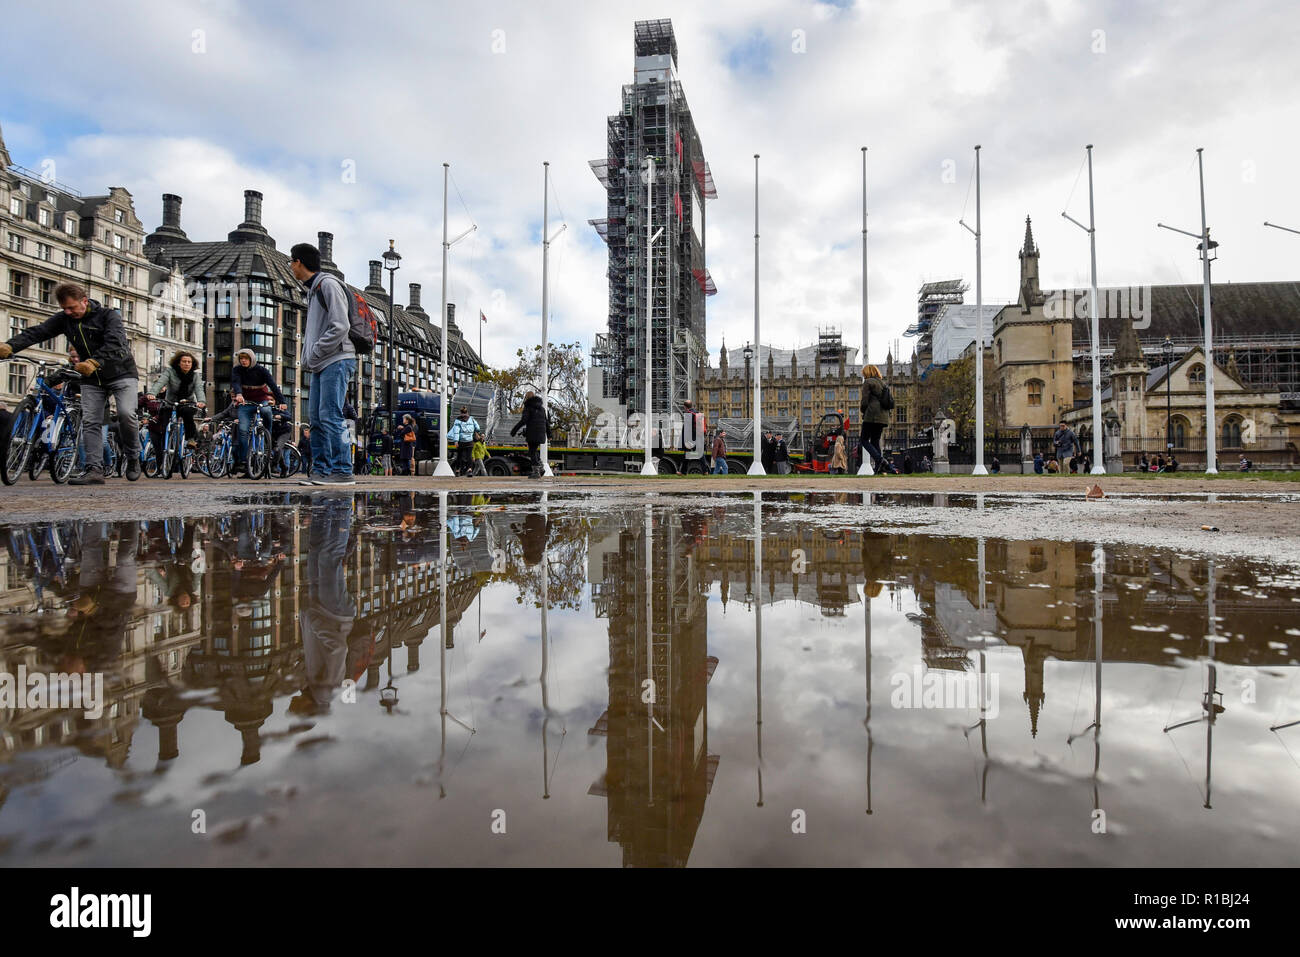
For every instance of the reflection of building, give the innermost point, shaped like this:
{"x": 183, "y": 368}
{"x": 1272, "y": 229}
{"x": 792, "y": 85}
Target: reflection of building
{"x": 659, "y": 771}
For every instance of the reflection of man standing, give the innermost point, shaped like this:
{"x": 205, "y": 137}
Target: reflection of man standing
{"x": 102, "y": 610}
{"x": 328, "y": 610}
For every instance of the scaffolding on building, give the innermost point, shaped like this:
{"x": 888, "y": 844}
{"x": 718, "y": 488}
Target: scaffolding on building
{"x": 655, "y": 121}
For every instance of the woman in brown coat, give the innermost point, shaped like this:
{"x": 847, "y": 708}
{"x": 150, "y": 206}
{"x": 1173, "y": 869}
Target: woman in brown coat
{"x": 839, "y": 461}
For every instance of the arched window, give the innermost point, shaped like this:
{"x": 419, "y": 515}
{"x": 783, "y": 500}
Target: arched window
{"x": 1196, "y": 374}
{"x": 1232, "y": 432}
{"x": 1035, "y": 387}
{"x": 1180, "y": 430}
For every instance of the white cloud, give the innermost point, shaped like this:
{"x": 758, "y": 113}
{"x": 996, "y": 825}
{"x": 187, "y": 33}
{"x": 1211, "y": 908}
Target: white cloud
{"x": 283, "y": 96}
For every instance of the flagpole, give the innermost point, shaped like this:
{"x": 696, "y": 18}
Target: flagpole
{"x": 979, "y": 468}
{"x": 546, "y": 347}
{"x": 865, "y": 468}
{"x": 756, "y": 466}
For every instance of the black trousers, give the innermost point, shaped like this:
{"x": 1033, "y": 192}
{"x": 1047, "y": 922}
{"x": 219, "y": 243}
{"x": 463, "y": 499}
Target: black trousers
{"x": 535, "y": 456}
{"x": 463, "y": 450}
{"x": 870, "y": 440}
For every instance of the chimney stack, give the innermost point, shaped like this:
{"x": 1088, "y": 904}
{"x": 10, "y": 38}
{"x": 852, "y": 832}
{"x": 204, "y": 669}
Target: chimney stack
{"x": 252, "y": 208}
{"x": 325, "y": 245}
{"x": 414, "y": 299}
{"x": 376, "y": 284}
{"x": 251, "y": 229}
{"x": 171, "y": 210}
{"x": 170, "y": 231}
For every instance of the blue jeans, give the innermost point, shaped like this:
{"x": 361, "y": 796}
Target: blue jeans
{"x": 330, "y": 453}
{"x": 720, "y": 466}
{"x": 246, "y": 411}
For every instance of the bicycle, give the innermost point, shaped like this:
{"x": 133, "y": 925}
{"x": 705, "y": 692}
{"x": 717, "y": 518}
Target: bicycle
{"x": 287, "y": 461}
{"x": 176, "y": 453}
{"x": 148, "y": 455}
{"x": 219, "y": 459}
{"x": 35, "y": 435}
{"x": 258, "y": 454}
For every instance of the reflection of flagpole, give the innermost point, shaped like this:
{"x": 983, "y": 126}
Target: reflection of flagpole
{"x": 866, "y": 624}
{"x": 546, "y": 640}
{"x": 649, "y": 651}
{"x": 442, "y": 634}
{"x": 982, "y": 724}
{"x": 1211, "y": 708}
{"x": 1098, "y": 570}
{"x": 758, "y": 632}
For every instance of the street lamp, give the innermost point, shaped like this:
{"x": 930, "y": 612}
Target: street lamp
{"x": 1206, "y": 247}
{"x": 392, "y": 262}
{"x": 1169, "y": 417}
{"x": 749, "y": 354}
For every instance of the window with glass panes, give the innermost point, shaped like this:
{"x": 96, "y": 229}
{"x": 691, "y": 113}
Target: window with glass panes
{"x": 18, "y": 377}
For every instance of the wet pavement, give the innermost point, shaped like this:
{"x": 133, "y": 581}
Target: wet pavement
{"x": 518, "y": 679}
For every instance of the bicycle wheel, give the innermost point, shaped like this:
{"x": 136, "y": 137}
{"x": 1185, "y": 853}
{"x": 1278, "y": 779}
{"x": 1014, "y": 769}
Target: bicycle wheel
{"x": 167, "y": 454}
{"x": 186, "y": 462}
{"x": 36, "y": 460}
{"x": 258, "y": 460}
{"x": 16, "y": 445}
{"x": 288, "y": 462}
{"x": 149, "y": 462}
{"x": 65, "y": 454}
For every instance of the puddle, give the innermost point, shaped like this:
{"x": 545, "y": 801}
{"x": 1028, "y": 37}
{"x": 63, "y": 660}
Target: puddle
{"x": 623, "y": 681}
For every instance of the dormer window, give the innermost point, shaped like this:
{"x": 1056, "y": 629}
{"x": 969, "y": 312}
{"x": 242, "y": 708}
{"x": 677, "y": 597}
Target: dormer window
{"x": 1196, "y": 374}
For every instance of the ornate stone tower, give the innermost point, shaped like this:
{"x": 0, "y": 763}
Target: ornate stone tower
{"x": 1128, "y": 382}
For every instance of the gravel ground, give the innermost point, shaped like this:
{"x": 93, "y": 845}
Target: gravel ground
{"x": 1255, "y": 518}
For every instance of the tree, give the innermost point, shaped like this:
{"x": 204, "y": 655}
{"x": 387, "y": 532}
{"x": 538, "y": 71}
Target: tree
{"x": 566, "y": 384}
{"x": 950, "y": 392}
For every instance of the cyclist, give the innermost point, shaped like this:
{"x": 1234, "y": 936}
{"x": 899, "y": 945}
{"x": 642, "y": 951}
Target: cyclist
{"x": 179, "y": 381}
{"x": 251, "y": 384}
{"x": 107, "y": 369}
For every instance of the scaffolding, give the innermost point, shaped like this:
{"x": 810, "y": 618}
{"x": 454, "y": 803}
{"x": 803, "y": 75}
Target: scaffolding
{"x": 655, "y": 121}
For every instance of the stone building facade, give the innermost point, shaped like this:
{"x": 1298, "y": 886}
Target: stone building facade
{"x": 805, "y": 384}
{"x": 49, "y": 234}
{"x": 248, "y": 298}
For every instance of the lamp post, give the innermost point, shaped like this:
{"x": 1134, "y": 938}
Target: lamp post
{"x": 1206, "y": 247}
{"x": 1169, "y": 413}
{"x": 749, "y": 354}
{"x": 756, "y": 464}
{"x": 1098, "y": 466}
{"x": 392, "y": 262}
{"x": 443, "y": 468}
{"x": 977, "y": 232}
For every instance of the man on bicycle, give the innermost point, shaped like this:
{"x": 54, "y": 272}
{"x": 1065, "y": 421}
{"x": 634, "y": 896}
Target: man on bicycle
{"x": 107, "y": 369}
{"x": 251, "y": 384}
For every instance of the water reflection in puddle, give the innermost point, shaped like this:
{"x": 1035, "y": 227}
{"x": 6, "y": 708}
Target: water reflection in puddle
{"x": 324, "y": 679}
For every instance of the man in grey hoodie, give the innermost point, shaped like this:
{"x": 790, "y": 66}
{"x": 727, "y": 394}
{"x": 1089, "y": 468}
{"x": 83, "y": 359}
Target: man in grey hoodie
{"x": 329, "y": 357}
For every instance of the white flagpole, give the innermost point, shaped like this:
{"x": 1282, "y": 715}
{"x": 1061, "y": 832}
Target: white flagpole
{"x": 648, "y": 466}
{"x": 443, "y": 467}
{"x": 756, "y": 466}
{"x": 865, "y": 468}
{"x": 1211, "y": 449}
{"x": 979, "y": 468}
{"x": 546, "y": 345}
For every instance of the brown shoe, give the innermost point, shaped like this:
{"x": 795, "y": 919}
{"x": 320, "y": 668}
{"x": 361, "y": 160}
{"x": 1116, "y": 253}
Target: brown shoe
{"x": 92, "y": 477}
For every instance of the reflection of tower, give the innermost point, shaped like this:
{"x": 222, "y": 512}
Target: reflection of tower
{"x": 1035, "y": 656}
{"x": 658, "y": 771}
{"x": 164, "y": 709}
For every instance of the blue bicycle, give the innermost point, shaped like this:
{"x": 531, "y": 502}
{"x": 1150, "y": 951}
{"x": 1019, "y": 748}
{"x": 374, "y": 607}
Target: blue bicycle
{"x": 39, "y": 437}
{"x": 176, "y": 454}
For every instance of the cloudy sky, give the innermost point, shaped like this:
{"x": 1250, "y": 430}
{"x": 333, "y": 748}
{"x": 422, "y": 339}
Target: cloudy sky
{"x": 206, "y": 99}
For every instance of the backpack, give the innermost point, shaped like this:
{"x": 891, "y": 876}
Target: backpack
{"x": 886, "y": 399}
{"x": 363, "y": 327}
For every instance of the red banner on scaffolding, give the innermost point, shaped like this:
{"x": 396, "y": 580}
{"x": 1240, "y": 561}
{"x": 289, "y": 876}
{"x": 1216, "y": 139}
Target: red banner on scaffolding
{"x": 677, "y": 205}
{"x": 678, "y": 136}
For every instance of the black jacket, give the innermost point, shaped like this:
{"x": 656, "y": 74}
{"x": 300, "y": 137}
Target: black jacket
{"x": 533, "y": 421}
{"x": 255, "y": 375}
{"x": 100, "y": 335}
